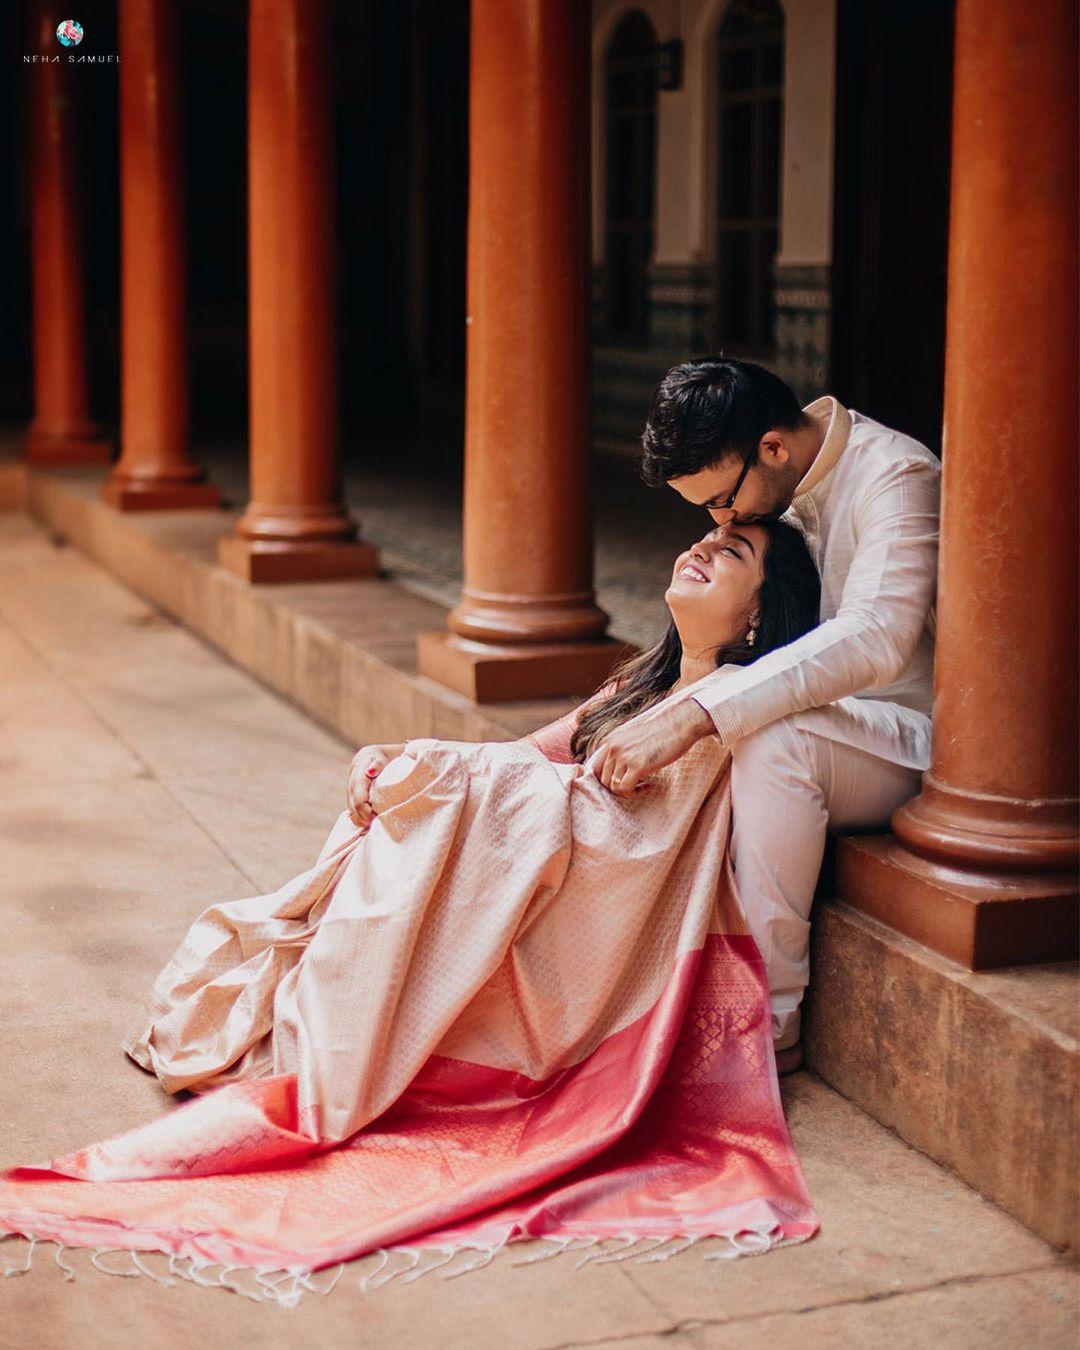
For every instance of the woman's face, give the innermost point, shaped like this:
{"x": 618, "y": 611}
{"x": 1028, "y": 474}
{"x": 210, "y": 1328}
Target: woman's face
{"x": 714, "y": 588}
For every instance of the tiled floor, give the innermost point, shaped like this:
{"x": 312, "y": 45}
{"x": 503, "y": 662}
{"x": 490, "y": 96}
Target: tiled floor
{"x": 142, "y": 777}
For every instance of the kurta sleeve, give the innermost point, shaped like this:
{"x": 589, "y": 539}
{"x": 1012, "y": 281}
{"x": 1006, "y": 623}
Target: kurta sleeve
{"x": 883, "y": 610}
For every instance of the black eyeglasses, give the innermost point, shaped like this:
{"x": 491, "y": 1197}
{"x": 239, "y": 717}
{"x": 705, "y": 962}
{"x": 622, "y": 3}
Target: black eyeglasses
{"x": 730, "y": 502}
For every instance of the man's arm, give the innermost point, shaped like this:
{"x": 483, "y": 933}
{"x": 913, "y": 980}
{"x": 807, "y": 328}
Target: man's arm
{"x": 887, "y": 596}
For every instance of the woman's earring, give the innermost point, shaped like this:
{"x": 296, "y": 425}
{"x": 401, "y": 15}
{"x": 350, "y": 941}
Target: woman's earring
{"x": 751, "y": 635}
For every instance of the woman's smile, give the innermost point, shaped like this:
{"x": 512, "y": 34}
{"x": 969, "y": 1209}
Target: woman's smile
{"x": 714, "y": 586}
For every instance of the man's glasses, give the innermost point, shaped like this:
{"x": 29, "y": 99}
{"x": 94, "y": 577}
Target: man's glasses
{"x": 730, "y": 502}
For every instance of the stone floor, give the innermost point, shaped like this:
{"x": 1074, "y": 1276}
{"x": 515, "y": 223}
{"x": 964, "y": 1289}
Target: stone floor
{"x": 116, "y": 827}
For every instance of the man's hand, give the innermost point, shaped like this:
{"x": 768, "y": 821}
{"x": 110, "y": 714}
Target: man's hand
{"x": 648, "y": 742}
{"x": 366, "y": 766}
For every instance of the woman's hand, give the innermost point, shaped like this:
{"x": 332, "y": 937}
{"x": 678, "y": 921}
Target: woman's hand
{"x": 653, "y": 739}
{"x": 366, "y": 766}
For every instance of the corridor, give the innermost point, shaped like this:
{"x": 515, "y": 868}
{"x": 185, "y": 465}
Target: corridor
{"x": 142, "y": 777}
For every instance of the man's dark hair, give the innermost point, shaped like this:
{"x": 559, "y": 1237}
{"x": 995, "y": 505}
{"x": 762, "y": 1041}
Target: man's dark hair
{"x": 711, "y": 409}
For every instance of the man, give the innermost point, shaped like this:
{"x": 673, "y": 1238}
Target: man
{"x": 834, "y": 729}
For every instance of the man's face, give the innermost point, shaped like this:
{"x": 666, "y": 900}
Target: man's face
{"x": 765, "y": 492}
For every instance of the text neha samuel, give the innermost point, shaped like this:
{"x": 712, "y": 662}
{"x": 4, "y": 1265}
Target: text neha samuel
{"x": 89, "y": 58}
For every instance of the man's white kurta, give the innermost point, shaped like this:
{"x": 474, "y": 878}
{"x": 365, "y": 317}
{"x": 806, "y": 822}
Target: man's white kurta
{"x": 869, "y": 509}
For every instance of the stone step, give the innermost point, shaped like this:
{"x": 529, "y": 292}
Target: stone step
{"x": 977, "y": 1069}
{"x": 344, "y": 651}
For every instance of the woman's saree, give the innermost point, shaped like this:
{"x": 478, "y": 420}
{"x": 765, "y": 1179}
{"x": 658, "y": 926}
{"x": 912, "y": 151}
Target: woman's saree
{"x": 516, "y": 1007}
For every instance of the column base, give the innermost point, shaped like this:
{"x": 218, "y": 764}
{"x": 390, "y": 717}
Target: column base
{"x": 488, "y": 673}
{"x": 133, "y": 494}
{"x": 45, "y": 448}
{"x": 988, "y": 833}
{"x": 982, "y": 920}
{"x": 269, "y": 560}
{"x": 512, "y": 620}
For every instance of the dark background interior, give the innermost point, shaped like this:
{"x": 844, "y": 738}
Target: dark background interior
{"x": 401, "y": 114}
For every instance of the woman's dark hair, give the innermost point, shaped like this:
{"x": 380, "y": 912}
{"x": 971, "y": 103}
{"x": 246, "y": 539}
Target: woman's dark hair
{"x": 788, "y": 605}
{"x": 711, "y": 409}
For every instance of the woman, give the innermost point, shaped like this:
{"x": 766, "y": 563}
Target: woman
{"x": 503, "y": 1003}
{"x": 735, "y": 595}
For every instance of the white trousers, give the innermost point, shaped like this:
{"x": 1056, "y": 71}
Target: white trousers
{"x": 789, "y": 787}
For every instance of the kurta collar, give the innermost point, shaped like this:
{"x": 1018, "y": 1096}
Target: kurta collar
{"x": 836, "y": 438}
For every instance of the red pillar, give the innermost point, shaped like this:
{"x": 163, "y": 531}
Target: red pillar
{"x": 528, "y": 624}
{"x": 62, "y": 431}
{"x": 296, "y": 526}
{"x": 985, "y": 867}
{"x": 154, "y": 469}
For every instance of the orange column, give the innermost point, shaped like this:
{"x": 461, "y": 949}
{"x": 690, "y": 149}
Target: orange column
{"x": 296, "y": 526}
{"x": 154, "y": 469}
{"x": 528, "y": 624}
{"x": 62, "y": 431}
{"x": 988, "y": 864}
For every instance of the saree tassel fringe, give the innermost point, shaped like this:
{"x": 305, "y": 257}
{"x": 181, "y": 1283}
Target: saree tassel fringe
{"x": 381, "y": 1068}
{"x": 287, "y": 1287}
